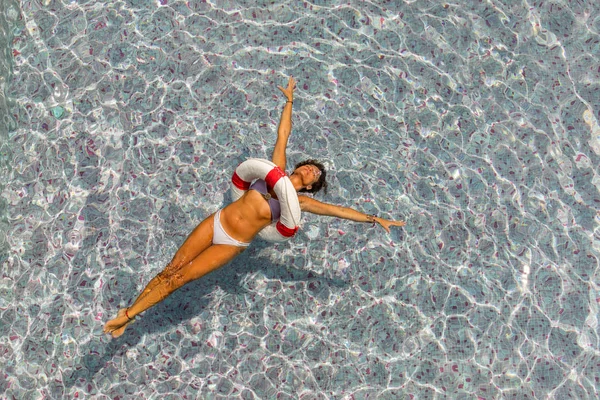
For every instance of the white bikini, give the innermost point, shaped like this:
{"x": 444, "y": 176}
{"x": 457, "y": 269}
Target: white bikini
{"x": 222, "y": 237}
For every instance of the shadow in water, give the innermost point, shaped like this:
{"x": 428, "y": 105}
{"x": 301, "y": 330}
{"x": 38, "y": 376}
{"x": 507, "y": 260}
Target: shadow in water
{"x": 189, "y": 302}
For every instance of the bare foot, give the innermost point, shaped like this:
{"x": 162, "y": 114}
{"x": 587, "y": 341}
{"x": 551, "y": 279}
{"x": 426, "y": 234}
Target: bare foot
{"x": 117, "y": 326}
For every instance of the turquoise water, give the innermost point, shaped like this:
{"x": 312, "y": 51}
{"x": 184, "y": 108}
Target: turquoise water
{"x": 476, "y": 122}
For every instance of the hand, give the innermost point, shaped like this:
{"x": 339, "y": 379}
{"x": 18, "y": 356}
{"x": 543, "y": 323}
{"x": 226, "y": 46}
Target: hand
{"x": 386, "y": 223}
{"x": 289, "y": 91}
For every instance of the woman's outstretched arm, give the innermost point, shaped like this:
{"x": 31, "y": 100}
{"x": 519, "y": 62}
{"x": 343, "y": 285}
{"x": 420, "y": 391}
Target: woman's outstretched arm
{"x": 285, "y": 125}
{"x": 316, "y": 207}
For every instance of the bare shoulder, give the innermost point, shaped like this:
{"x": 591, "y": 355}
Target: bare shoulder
{"x": 305, "y": 202}
{"x": 311, "y": 205}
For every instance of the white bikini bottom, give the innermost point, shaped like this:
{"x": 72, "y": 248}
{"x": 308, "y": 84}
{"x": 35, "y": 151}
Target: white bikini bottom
{"x": 221, "y": 237}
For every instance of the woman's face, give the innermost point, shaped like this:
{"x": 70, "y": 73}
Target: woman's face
{"x": 309, "y": 173}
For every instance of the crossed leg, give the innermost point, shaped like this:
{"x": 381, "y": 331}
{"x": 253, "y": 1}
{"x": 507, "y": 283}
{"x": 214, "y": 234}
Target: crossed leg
{"x": 181, "y": 270}
{"x": 197, "y": 241}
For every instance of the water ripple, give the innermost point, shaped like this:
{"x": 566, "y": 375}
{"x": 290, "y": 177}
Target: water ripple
{"x": 475, "y": 122}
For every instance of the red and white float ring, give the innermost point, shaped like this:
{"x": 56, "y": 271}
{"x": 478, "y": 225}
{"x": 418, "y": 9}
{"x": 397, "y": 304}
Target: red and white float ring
{"x": 258, "y": 168}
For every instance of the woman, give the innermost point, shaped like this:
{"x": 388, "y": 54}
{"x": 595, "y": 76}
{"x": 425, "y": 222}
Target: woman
{"x": 224, "y": 235}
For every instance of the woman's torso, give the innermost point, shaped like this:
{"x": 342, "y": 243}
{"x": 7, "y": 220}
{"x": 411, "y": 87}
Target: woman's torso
{"x": 247, "y": 216}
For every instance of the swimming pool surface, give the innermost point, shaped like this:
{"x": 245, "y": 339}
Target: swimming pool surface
{"x": 475, "y": 121}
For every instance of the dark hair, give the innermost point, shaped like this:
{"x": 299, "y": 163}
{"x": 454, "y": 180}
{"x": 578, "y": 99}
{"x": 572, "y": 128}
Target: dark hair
{"x": 321, "y": 183}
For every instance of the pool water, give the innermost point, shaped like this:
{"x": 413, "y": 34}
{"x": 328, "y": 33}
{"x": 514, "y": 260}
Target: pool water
{"x": 476, "y": 122}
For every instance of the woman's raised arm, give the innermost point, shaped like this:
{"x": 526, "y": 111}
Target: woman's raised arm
{"x": 285, "y": 125}
{"x": 316, "y": 207}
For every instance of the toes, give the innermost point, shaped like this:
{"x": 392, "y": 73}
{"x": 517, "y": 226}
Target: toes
{"x": 115, "y": 329}
{"x": 118, "y": 332}
{"x": 109, "y": 328}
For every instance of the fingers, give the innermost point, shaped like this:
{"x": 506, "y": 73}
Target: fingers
{"x": 291, "y": 84}
{"x": 384, "y": 225}
{"x": 387, "y": 225}
{"x": 289, "y": 91}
